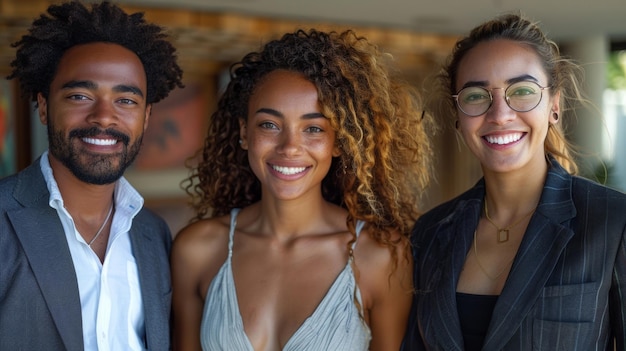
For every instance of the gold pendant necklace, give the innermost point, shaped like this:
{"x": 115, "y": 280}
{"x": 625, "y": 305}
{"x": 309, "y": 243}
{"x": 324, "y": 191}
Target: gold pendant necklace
{"x": 503, "y": 233}
{"x": 482, "y": 268}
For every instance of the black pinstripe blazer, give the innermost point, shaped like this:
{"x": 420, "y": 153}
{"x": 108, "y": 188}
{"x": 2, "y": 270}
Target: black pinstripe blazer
{"x": 567, "y": 286}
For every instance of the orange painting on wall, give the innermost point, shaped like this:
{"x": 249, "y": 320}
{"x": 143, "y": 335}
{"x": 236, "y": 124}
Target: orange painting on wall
{"x": 8, "y": 152}
{"x": 176, "y": 129}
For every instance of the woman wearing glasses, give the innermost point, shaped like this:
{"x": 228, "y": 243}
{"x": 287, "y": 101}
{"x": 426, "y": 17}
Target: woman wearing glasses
{"x": 532, "y": 257}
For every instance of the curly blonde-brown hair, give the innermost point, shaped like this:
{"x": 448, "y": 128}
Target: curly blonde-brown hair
{"x": 385, "y": 161}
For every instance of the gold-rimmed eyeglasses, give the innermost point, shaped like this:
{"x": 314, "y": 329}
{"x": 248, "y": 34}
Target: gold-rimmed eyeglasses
{"x": 521, "y": 96}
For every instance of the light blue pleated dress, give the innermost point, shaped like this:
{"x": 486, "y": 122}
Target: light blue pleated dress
{"x": 335, "y": 324}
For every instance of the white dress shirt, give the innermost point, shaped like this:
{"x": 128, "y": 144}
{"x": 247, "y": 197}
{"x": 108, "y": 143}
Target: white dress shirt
{"x": 110, "y": 294}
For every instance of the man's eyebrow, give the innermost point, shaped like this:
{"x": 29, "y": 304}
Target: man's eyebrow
{"x": 87, "y": 84}
{"x": 122, "y": 88}
{"x": 90, "y": 85}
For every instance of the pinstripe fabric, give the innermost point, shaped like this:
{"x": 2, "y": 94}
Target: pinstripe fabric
{"x": 567, "y": 286}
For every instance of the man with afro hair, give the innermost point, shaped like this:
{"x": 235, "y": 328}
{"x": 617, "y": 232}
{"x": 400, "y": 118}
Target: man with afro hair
{"x": 83, "y": 266}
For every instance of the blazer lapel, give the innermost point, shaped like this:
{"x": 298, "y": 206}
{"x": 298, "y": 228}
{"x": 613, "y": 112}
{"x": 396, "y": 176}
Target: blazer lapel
{"x": 41, "y": 235}
{"x": 539, "y": 252}
{"x": 146, "y": 251}
{"x": 458, "y": 230}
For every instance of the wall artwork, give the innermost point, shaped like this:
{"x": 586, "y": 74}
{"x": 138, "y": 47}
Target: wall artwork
{"x": 176, "y": 131}
{"x": 8, "y": 133}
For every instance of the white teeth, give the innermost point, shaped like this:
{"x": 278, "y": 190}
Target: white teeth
{"x": 288, "y": 170}
{"x": 100, "y": 141}
{"x": 504, "y": 139}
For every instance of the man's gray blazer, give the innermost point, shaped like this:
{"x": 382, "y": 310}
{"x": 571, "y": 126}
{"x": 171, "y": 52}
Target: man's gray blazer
{"x": 39, "y": 299}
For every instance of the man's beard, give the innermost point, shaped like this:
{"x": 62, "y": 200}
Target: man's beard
{"x": 92, "y": 168}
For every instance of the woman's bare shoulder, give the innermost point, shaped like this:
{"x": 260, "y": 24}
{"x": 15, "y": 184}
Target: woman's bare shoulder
{"x": 203, "y": 240}
{"x": 376, "y": 261}
{"x": 204, "y": 229}
{"x": 373, "y": 252}
{"x": 385, "y": 281}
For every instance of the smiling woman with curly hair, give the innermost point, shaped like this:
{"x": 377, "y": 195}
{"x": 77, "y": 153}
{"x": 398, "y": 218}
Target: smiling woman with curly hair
{"x": 307, "y": 189}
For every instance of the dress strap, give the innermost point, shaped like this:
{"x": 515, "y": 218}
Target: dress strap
{"x": 231, "y": 233}
{"x": 359, "y": 226}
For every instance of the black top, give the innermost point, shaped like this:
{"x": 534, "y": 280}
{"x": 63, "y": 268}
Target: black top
{"x": 475, "y": 314}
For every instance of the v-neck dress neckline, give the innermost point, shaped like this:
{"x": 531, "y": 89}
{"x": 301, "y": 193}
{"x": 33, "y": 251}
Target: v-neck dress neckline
{"x": 335, "y": 324}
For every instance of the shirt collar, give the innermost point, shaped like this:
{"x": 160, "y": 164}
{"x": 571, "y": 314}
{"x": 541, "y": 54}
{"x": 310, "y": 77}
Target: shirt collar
{"x": 126, "y": 198}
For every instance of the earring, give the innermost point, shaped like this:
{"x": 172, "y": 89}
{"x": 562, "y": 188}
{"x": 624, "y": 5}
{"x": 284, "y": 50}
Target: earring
{"x": 342, "y": 166}
{"x": 555, "y": 115}
{"x": 240, "y": 141}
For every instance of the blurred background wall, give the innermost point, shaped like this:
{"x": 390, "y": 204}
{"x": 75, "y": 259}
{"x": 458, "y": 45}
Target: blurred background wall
{"x": 212, "y": 34}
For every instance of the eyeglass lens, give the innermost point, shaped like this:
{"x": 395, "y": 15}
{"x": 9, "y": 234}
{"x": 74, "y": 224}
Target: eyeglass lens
{"x": 520, "y": 96}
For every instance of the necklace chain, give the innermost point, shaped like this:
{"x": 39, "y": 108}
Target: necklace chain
{"x": 503, "y": 233}
{"x": 106, "y": 220}
{"x": 482, "y": 268}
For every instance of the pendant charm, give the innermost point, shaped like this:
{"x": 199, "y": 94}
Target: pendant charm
{"x": 503, "y": 235}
